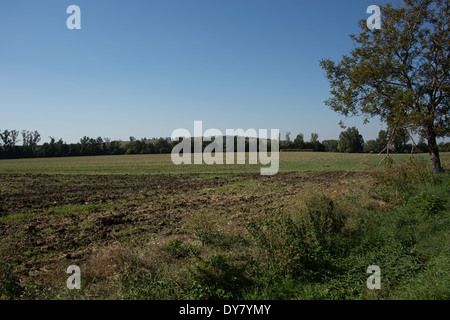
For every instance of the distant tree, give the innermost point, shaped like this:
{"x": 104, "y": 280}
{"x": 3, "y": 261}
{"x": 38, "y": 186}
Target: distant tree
{"x": 444, "y": 147}
{"x": 351, "y": 141}
{"x": 152, "y": 148}
{"x": 9, "y": 138}
{"x": 330, "y": 145}
{"x": 378, "y": 144}
{"x": 370, "y": 146}
{"x": 421, "y": 145}
{"x": 287, "y": 143}
{"x": 14, "y": 137}
{"x": 315, "y": 143}
{"x": 30, "y": 139}
{"x": 61, "y": 149}
{"x": 314, "y": 138}
{"x": 162, "y": 146}
{"x": 299, "y": 142}
{"x": 84, "y": 145}
{"x": 400, "y": 138}
{"x": 133, "y": 147}
{"x": 51, "y": 150}
{"x": 5, "y": 137}
{"x": 115, "y": 147}
{"x": 29, "y": 143}
{"x": 382, "y": 140}
{"x": 288, "y": 136}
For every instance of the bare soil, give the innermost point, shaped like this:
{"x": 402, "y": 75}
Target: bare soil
{"x": 50, "y": 221}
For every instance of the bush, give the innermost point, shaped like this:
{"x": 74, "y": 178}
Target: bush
{"x": 9, "y": 284}
{"x": 212, "y": 230}
{"x": 145, "y": 280}
{"x": 218, "y": 277}
{"x": 428, "y": 204}
{"x": 396, "y": 182}
{"x": 177, "y": 249}
{"x": 303, "y": 242}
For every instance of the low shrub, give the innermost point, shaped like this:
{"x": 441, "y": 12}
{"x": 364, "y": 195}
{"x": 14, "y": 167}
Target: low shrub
{"x": 178, "y": 249}
{"x": 10, "y": 287}
{"x": 428, "y": 204}
{"x": 297, "y": 243}
{"x": 395, "y": 182}
{"x": 219, "y": 277}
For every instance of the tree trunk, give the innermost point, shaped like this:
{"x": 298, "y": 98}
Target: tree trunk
{"x": 434, "y": 151}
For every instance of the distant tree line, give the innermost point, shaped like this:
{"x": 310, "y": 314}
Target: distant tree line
{"x": 25, "y": 144}
{"x": 351, "y": 141}
{"x": 10, "y": 146}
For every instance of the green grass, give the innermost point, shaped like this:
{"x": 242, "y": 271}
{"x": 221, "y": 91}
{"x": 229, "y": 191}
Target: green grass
{"x": 162, "y": 163}
{"x": 81, "y": 210}
{"x": 263, "y": 242}
{"x": 18, "y": 217}
{"x": 317, "y": 251}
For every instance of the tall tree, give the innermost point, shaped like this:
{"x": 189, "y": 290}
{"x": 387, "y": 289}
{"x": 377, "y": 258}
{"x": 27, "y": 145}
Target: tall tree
{"x": 382, "y": 140}
{"x": 9, "y": 138}
{"x": 288, "y": 137}
{"x": 330, "y": 145}
{"x": 314, "y": 138}
{"x": 400, "y": 138}
{"x": 299, "y": 141}
{"x": 399, "y": 72}
{"x": 350, "y": 141}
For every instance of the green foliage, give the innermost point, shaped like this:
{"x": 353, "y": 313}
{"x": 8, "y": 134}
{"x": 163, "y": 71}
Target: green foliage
{"x": 10, "y": 287}
{"x": 428, "y": 204}
{"x": 299, "y": 141}
{"x": 399, "y": 72}
{"x": 409, "y": 243}
{"x": 399, "y": 138}
{"x": 396, "y": 181}
{"x": 379, "y": 144}
{"x": 351, "y": 141}
{"x": 443, "y": 147}
{"x": 210, "y": 230}
{"x": 296, "y": 245}
{"x": 317, "y": 248}
{"x": 330, "y": 145}
{"x": 218, "y": 277}
{"x": 144, "y": 280}
{"x": 179, "y": 250}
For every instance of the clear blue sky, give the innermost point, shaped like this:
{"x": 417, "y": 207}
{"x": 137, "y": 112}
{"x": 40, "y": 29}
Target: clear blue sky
{"x": 145, "y": 68}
